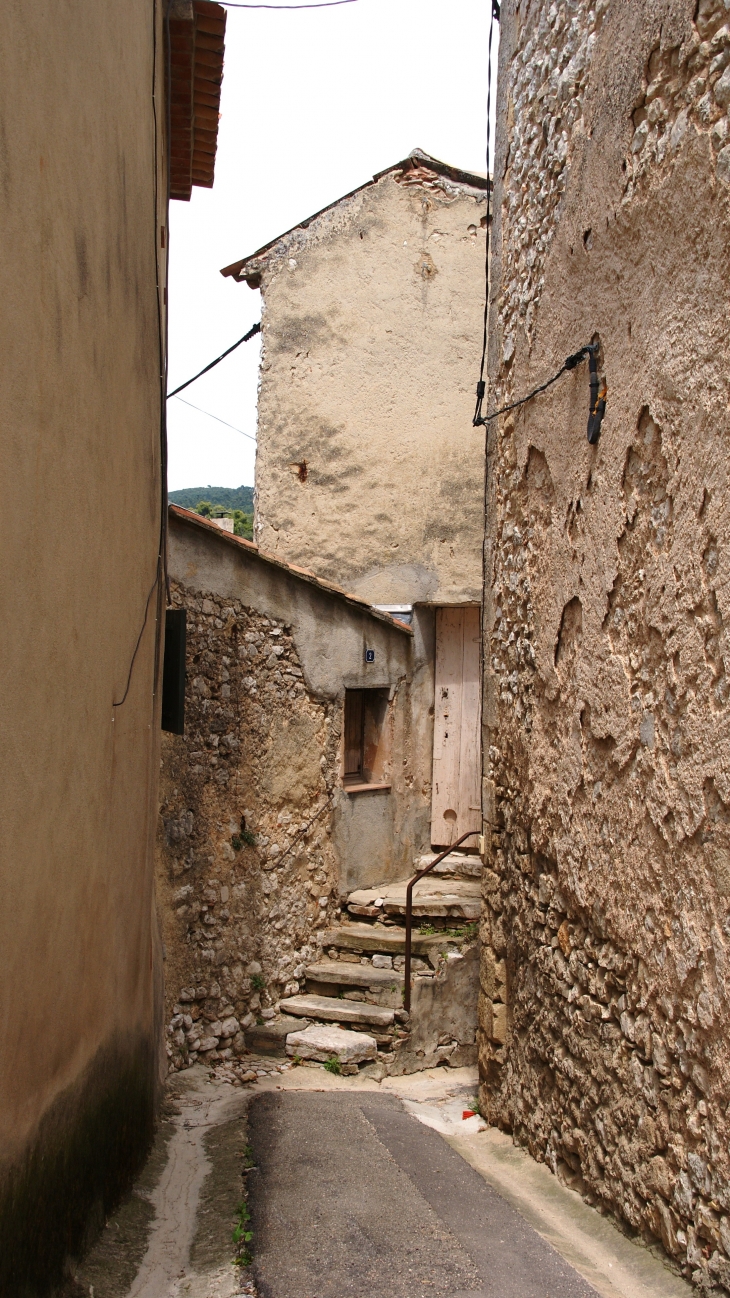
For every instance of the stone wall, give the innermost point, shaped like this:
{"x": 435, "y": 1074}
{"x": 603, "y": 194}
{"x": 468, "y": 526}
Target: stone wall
{"x": 604, "y": 1012}
{"x": 245, "y": 889}
{"x": 258, "y": 840}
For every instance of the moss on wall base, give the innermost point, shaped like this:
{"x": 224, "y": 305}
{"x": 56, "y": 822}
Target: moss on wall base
{"x": 85, "y": 1153}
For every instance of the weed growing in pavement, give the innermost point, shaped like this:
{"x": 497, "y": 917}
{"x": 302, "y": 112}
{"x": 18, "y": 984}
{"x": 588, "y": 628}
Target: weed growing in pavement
{"x": 242, "y": 1235}
{"x": 248, "y": 1159}
{"x": 467, "y": 931}
{"x": 333, "y": 1065}
{"x": 296, "y": 1061}
{"x": 258, "y": 983}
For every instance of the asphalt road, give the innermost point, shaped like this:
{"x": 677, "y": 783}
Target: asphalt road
{"x": 352, "y": 1197}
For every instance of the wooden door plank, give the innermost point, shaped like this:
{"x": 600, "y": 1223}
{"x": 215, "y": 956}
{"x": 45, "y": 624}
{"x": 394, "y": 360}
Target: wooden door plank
{"x": 447, "y": 725}
{"x": 469, "y": 804}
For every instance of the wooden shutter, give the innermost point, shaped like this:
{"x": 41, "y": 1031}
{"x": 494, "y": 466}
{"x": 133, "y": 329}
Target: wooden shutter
{"x": 353, "y": 733}
{"x": 456, "y": 802}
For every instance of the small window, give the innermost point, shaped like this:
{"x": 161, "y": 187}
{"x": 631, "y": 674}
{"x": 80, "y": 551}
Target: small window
{"x": 173, "y": 672}
{"x": 367, "y": 739}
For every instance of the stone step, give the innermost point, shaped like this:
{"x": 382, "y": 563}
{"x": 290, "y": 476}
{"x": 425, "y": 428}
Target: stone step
{"x": 334, "y": 1010}
{"x": 323, "y": 1042}
{"x": 371, "y": 938}
{"x": 457, "y": 865}
{"x": 270, "y": 1038}
{"x": 456, "y": 898}
{"x": 345, "y": 974}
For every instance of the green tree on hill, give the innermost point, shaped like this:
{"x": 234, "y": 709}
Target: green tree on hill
{"x": 242, "y": 522}
{"x": 229, "y": 497}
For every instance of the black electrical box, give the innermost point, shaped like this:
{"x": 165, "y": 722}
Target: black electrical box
{"x": 173, "y": 672}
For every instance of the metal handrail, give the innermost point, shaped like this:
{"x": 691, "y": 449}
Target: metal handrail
{"x": 409, "y": 910}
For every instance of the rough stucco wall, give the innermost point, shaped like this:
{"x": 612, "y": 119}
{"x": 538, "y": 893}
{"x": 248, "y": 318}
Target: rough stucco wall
{"x": 604, "y": 1011}
{"x": 371, "y": 341}
{"x": 80, "y": 443}
{"x": 262, "y": 745}
{"x": 376, "y": 835}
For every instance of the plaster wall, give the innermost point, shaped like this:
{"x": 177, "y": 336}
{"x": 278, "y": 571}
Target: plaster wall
{"x": 372, "y": 322}
{"x": 604, "y": 1013}
{"x": 80, "y": 995}
{"x": 258, "y": 839}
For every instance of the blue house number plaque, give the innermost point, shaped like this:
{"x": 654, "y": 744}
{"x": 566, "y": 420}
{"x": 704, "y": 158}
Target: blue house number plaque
{"x": 369, "y": 655}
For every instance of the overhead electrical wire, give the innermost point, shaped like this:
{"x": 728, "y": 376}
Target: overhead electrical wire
{"x": 481, "y": 385}
{"x": 255, "y": 329}
{"x": 569, "y": 363}
{"x": 216, "y": 417}
{"x": 161, "y": 564}
{"x": 598, "y": 389}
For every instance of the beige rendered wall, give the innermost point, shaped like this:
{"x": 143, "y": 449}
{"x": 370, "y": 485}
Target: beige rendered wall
{"x": 371, "y": 341}
{"x": 375, "y": 835}
{"x": 605, "y": 1009}
{"x": 80, "y": 466}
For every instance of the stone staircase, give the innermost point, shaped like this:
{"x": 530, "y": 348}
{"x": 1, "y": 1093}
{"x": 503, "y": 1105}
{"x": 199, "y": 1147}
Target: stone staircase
{"x": 352, "y": 1006}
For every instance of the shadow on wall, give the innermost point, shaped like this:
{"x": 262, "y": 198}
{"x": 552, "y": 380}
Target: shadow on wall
{"x": 89, "y": 1146}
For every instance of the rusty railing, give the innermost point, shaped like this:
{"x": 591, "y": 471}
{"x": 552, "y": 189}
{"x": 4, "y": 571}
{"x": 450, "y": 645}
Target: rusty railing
{"x": 409, "y": 910}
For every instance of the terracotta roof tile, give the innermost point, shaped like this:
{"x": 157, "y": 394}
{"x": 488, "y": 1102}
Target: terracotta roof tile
{"x": 228, "y": 538}
{"x": 421, "y": 166}
{"x": 196, "y": 70}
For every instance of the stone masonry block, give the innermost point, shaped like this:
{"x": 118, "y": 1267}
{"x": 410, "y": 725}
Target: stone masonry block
{"x": 499, "y": 1023}
{"x": 485, "y": 1015}
{"x": 493, "y": 974}
{"x": 322, "y": 1042}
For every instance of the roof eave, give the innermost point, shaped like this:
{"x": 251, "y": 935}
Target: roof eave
{"x": 301, "y": 574}
{"x": 196, "y": 50}
{"x": 417, "y": 158}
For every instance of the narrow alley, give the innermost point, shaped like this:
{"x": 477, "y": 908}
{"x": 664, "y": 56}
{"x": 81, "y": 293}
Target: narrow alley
{"x": 365, "y": 809}
{"x": 323, "y": 1161}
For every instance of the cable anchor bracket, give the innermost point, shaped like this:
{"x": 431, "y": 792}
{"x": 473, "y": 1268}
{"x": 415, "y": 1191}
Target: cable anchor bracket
{"x": 598, "y": 394}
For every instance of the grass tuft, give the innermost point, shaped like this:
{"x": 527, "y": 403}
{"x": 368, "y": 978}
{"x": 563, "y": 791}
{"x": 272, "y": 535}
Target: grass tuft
{"x": 242, "y": 1235}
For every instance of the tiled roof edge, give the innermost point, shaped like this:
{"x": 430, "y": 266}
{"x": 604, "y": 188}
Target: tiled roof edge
{"x": 474, "y": 179}
{"x": 302, "y": 574}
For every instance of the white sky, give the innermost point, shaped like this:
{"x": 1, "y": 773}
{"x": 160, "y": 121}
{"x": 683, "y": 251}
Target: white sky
{"x": 314, "y": 102}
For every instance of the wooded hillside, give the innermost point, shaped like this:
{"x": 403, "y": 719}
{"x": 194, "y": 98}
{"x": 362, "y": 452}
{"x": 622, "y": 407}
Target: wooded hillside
{"x": 229, "y": 497}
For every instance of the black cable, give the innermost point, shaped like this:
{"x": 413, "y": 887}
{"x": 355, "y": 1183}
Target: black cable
{"x": 255, "y": 329}
{"x": 569, "y": 363}
{"x": 139, "y": 639}
{"x": 161, "y": 565}
{"x": 481, "y": 386}
{"x": 163, "y": 330}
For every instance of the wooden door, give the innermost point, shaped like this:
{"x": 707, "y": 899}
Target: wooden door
{"x": 456, "y": 801}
